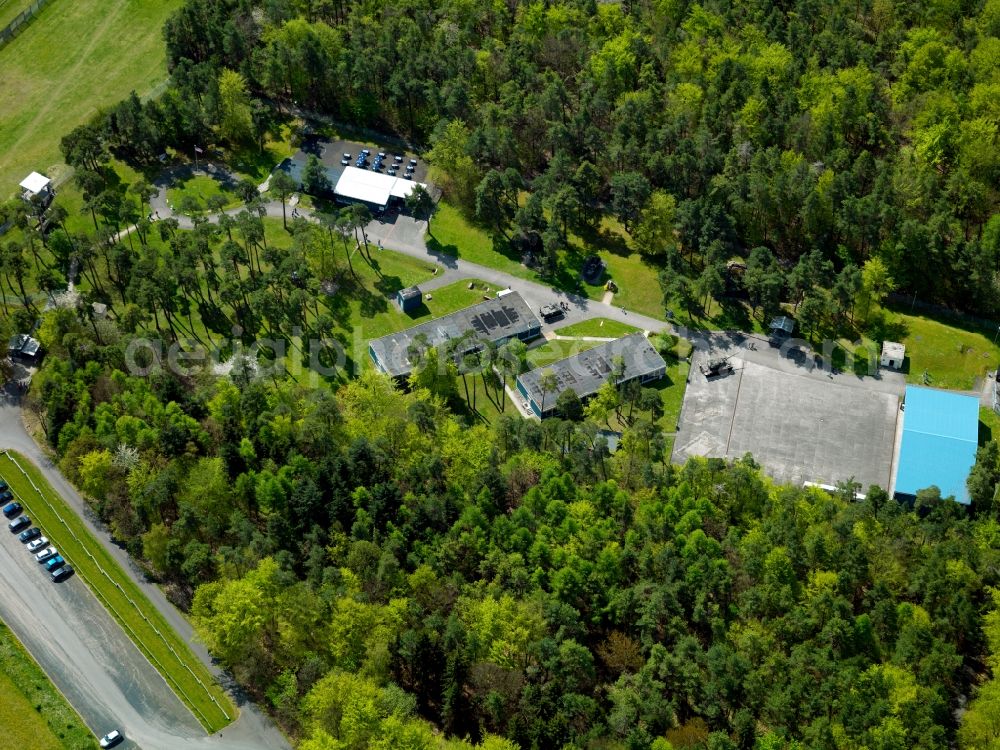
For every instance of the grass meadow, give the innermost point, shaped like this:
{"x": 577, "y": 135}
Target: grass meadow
{"x": 32, "y": 712}
{"x": 73, "y": 59}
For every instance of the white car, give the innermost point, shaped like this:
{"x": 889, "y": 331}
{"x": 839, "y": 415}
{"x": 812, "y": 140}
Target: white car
{"x": 112, "y": 738}
{"x": 45, "y": 554}
{"x": 37, "y": 544}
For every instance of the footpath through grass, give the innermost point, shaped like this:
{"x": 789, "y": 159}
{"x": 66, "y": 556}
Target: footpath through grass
{"x": 32, "y": 712}
{"x": 142, "y": 622}
{"x": 73, "y": 59}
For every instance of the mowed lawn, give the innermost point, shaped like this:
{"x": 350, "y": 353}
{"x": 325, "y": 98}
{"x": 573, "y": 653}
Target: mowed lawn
{"x": 599, "y": 327}
{"x": 76, "y": 57}
{"x": 32, "y": 712}
{"x": 952, "y": 357}
{"x": 638, "y": 288}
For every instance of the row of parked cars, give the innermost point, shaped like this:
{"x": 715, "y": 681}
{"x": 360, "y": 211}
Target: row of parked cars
{"x": 45, "y": 554}
{"x": 31, "y": 537}
{"x": 379, "y": 160}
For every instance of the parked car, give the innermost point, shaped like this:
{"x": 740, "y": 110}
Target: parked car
{"x": 19, "y": 523}
{"x": 6, "y": 495}
{"x": 26, "y": 536}
{"x": 61, "y": 573}
{"x": 45, "y": 554}
{"x": 3, "y": 485}
{"x": 11, "y": 509}
{"x": 54, "y": 562}
{"x": 36, "y": 545}
{"x": 112, "y": 738}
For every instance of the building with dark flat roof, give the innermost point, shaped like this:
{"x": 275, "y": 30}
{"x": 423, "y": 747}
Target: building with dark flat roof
{"x": 587, "y": 371}
{"x": 408, "y": 299}
{"x": 25, "y": 348}
{"x": 494, "y": 321}
{"x": 940, "y": 438}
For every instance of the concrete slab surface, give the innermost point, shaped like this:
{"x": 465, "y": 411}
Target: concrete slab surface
{"x": 799, "y": 423}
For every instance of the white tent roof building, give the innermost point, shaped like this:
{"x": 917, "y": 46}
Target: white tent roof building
{"x": 372, "y": 187}
{"x": 35, "y": 183}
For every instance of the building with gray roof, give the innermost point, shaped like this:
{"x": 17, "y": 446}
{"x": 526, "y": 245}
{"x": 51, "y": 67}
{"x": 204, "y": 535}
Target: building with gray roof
{"x": 491, "y": 322}
{"x": 587, "y": 371}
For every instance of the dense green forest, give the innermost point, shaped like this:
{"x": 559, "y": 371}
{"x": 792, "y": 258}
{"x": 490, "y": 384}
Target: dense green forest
{"x": 376, "y": 572}
{"x": 379, "y": 571}
{"x": 859, "y": 131}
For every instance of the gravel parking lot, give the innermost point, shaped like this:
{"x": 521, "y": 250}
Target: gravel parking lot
{"x": 801, "y": 424}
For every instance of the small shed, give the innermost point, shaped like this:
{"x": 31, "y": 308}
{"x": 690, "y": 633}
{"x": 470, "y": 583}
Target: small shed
{"x": 893, "y": 354}
{"x": 408, "y": 299}
{"x": 36, "y": 187}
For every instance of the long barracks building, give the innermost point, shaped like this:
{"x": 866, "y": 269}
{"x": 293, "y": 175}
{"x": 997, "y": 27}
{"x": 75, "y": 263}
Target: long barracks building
{"x": 492, "y": 322}
{"x": 587, "y": 371}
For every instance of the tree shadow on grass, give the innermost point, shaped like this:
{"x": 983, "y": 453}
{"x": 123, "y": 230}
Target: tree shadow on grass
{"x": 600, "y": 238}
{"x": 388, "y": 285}
{"x": 985, "y": 433}
{"x": 338, "y": 304}
{"x": 888, "y": 328}
{"x": 734, "y": 315}
{"x": 371, "y": 304}
{"x": 214, "y": 320}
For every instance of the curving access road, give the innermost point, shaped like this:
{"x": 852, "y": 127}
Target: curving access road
{"x": 87, "y": 654}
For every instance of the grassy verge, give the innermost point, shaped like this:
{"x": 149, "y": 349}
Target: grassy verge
{"x": 989, "y": 425}
{"x": 147, "y": 628}
{"x": 72, "y": 60}
{"x": 601, "y": 327}
{"x": 32, "y": 712}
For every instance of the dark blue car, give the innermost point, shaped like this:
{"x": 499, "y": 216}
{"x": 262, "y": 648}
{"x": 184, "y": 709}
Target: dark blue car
{"x": 33, "y": 533}
{"x": 11, "y": 509}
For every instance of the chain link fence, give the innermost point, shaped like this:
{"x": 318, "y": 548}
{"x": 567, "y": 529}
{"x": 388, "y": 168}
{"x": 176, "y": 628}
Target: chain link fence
{"x": 21, "y": 21}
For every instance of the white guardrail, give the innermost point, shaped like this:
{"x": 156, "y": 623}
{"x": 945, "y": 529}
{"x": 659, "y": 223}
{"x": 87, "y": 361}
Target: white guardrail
{"x": 171, "y": 682}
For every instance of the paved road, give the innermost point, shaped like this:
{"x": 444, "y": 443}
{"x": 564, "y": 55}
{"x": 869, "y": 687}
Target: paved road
{"x": 85, "y": 651}
{"x": 406, "y": 235}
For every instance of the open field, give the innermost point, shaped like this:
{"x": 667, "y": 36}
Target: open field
{"x": 75, "y": 58}
{"x": 140, "y": 619}
{"x": 32, "y": 712}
